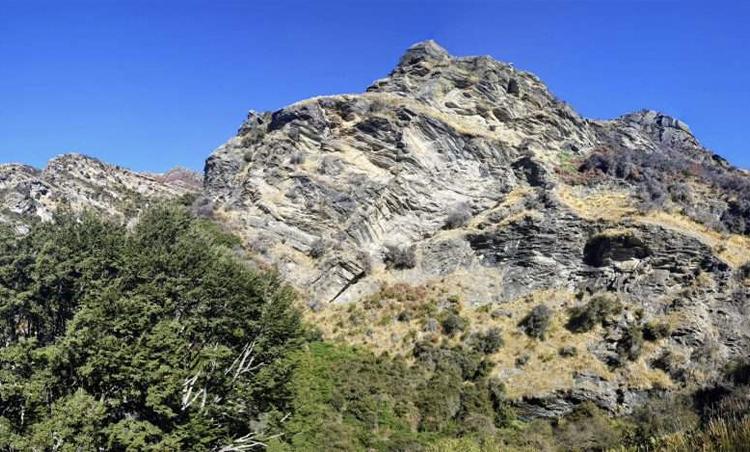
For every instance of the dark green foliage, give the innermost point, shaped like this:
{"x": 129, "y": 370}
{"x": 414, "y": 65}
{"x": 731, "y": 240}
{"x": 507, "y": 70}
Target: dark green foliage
{"x": 536, "y": 323}
{"x": 349, "y": 399}
{"x": 487, "y": 342}
{"x": 452, "y": 323}
{"x": 156, "y": 339}
{"x": 599, "y": 310}
{"x": 653, "y": 331}
{"x": 631, "y": 343}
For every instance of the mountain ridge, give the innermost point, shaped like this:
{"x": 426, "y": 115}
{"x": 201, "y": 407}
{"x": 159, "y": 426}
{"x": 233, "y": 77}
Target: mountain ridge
{"x": 461, "y": 190}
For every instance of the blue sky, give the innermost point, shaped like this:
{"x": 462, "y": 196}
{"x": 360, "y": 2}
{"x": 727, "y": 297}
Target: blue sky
{"x": 154, "y": 84}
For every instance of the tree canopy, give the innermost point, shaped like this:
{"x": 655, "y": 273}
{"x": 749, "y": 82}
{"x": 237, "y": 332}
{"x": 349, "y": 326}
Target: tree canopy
{"x": 156, "y": 338}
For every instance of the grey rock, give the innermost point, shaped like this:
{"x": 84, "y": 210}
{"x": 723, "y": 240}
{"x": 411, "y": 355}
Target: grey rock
{"x": 80, "y": 182}
{"x": 387, "y": 168}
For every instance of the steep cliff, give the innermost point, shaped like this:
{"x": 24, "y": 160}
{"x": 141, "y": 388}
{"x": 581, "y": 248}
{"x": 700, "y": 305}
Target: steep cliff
{"x": 459, "y": 195}
{"x": 468, "y": 179}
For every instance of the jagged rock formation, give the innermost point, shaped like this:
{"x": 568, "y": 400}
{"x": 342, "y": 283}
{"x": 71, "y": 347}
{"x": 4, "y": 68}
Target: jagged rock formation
{"x": 465, "y": 178}
{"x": 468, "y": 173}
{"x": 81, "y": 182}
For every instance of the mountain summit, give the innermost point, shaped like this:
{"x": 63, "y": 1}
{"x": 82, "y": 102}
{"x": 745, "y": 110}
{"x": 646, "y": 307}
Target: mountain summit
{"x": 459, "y": 195}
{"x": 467, "y": 177}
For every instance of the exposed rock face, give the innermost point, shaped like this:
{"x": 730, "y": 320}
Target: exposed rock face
{"x": 81, "y": 182}
{"x": 468, "y": 176}
{"x": 473, "y": 164}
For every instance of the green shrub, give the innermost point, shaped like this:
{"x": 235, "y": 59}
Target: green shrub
{"x": 568, "y": 351}
{"x": 453, "y": 323}
{"x": 400, "y": 257}
{"x": 349, "y": 399}
{"x": 487, "y": 342}
{"x": 653, "y": 331}
{"x": 536, "y": 322}
{"x": 155, "y": 338}
{"x": 661, "y": 417}
{"x": 631, "y": 343}
{"x": 599, "y": 310}
{"x": 318, "y": 249}
{"x": 587, "y": 428}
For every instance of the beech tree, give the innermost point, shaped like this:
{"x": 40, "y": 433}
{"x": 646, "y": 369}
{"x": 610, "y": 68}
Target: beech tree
{"x": 155, "y": 339}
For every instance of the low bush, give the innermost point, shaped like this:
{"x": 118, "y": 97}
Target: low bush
{"x": 568, "y": 351}
{"x": 587, "y": 428}
{"x": 536, "y": 322}
{"x": 458, "y": 216}
{"x": 400, "y": 257}
{"x": 487, "y": 342}
{"x": 202, "y": 207}
{"x": 631, "y": 343}
{"x": 653, "y": 331}
{"x": 599, "y": 310}
{"x": 453, "y": 323}
{"x": 318, "y": 249}
{"x": 658, "y": 418}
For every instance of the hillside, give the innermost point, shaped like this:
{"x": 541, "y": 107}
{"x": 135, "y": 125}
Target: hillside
{"x": 456, "y": 215}
{"x": 465, "y": 179}
{"x": 79, "y": 182}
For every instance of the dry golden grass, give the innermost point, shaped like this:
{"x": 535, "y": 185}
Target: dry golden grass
{"x": 732, "y": 248}
{"x": 721, "y": 435}
{"x": 615, "y": 206}
{"x": 374, "y": 324}
{"x": 597, "y": 205}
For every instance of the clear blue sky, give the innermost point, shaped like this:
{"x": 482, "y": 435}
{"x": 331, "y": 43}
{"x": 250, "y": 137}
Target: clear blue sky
{"x": 153, "y": 84}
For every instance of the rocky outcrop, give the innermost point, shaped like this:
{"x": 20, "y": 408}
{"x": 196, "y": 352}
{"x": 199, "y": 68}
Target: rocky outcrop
{"x": 81, "y": 182}
{"x": 465, "y": 161}
{"x": 467, "y": 175}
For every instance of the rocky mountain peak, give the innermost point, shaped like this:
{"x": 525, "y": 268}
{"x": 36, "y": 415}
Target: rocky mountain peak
{"x": 465, "y": 175}
{"x": 464, "y": 183}
{"x": 82, "y": 182}
{"x": 426, "y": 71}
{"x": 425, "y": 51}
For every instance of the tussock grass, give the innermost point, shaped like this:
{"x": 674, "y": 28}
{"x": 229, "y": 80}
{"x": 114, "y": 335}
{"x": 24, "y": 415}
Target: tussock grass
{"x": 397, "y": 317}
{"x": 614, "y": 205}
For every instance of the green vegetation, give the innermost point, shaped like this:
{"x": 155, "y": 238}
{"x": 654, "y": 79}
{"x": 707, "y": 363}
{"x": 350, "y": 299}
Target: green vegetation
{"x": 536, "y": 323}
{"x": 487, "y": 342}
{"x": 630, "y": 345}
{"x": 156, "y": 339}
{"x": 161, "y": 338}
{"x": 350, "y": 399}
{"x": 653, "y": 331}
{"x": 452, "y": 323}
{"x": 599, "y": 310}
